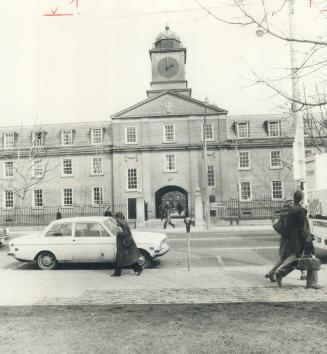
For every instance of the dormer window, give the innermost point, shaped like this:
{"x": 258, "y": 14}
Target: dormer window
{"x": 242, "y": 130}
{"x": 67, "y": 137}
{"x": 96, "y": 136}
{"x": 9, "y": 140}
{"x": 274, "y": 129}
{"x": 37, "y": 139}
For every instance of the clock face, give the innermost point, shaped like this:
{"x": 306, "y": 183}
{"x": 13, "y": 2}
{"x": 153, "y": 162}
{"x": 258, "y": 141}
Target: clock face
{"x": 168, "y": 67}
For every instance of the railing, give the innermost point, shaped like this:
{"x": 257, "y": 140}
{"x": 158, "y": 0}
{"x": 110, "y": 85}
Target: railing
{"x": 44, "y": 215}
{"x": 234, "y": 209}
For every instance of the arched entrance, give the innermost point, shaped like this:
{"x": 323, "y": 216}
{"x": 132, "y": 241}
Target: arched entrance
{"x": 175, "y": 196}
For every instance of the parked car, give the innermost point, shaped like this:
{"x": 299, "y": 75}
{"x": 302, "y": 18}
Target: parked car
{"x": 3, "y": 235}
{"x": 82, "y": 239}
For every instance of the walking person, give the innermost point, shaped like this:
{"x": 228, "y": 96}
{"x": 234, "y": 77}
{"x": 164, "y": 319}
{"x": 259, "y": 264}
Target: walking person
{"x": 280, "y": 227}
{"x": 58, "y": 215}
{"x": 161, "y": 211}
{"x": 168, "y": 217}
{"x": 299, "y": 242}
{"x": 127, "y": 252}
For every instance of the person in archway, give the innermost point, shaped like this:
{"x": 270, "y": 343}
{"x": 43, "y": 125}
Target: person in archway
{"x": 168, "y": 216}
{"x": 179, "y": 208}
{"x": 161, "y": 211}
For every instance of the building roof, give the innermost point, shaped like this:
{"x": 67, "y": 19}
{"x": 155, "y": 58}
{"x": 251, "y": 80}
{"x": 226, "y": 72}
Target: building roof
{"x": 167, "y": 34}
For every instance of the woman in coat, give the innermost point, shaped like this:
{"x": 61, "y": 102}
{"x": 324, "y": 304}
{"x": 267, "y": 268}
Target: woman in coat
{"x": 127, "y": 252}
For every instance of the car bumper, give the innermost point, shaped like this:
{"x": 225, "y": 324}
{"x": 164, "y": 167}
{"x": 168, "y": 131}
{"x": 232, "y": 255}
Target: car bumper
{"x": 164, "y": 249}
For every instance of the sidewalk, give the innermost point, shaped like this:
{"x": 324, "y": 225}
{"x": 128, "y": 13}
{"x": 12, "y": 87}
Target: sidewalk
{"x": 154, "y": 286}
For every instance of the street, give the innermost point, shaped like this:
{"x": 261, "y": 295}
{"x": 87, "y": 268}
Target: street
{"x": 208, "y": 249}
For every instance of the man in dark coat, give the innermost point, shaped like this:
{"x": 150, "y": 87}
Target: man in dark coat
{"x": 298, "y": 242}
{"x": 127, "y": 252}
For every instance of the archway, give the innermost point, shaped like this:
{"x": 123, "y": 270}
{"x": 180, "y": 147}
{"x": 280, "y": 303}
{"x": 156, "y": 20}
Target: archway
{"x": 174, "y": 196}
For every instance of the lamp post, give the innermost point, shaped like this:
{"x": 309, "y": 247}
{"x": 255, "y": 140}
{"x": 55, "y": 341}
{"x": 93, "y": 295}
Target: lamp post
{"x": 299, "y": 168}
{"x": 205, "y": 168}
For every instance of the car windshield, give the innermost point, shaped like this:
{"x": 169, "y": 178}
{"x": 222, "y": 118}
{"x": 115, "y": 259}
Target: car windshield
{"x": 60, "y": 229}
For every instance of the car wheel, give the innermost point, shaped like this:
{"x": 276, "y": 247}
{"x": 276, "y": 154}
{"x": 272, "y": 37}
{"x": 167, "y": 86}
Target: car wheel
{"x": 145, "y": 260}
{"x": 46, "y": 261}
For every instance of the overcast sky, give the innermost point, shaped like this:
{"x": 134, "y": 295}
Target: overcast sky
{"x": 93, "y": 64}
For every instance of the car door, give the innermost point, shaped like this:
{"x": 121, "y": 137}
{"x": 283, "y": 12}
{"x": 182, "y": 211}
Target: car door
{"x": 92, "y": 243}
{"x": 58, "y": 239}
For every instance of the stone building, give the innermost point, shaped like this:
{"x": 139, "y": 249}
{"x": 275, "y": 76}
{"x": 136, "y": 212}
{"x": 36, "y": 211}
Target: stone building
{"x": 152, "y": 152}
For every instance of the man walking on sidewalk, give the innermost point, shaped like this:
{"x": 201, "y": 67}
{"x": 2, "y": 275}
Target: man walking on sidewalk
{"x": 168, "y": 217}
{"x": 299, "y": 242}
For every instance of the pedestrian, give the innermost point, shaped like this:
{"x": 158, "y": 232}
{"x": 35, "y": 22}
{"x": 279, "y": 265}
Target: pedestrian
{"x": 179, "y": 208}
{"x": 58, "y": 215}
{"x": 161, "y": 211}
{"x": 280, "y": 227}
{"x": 127, "y": 251}
{"x": 108, "y": 213}
{"x": 168, "y": 217}
{"x": 299, "y": 242}
{"x": 187, "y": 222}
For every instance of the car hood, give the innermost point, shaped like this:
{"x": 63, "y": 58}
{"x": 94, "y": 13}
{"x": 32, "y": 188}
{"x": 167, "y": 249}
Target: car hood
{"x": 26, "y": 239}
{"x": 148, "y": 237}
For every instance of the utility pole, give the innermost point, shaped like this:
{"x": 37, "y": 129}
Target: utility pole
{"x": 299, "y": 167}
{"x": 205, "y": 167}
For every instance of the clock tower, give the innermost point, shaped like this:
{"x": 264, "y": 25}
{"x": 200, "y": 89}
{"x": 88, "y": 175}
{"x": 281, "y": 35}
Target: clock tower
{"x": 168, "y": 58}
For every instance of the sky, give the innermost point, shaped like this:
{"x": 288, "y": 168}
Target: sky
{"x": 85, "y": 67}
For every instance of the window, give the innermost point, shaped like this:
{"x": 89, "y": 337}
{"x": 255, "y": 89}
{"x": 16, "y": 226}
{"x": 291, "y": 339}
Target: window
{"x": 245, "y": 190}
{"x": 8, "y": 169}
{"x": 8, "y": 140}
{"x": 9, "y": 199}
{"x": 212, "y": 199}
{"x": 67, "y": 167}
{"x": 211, "y": 176}
{"x": 207, "y": 131}
{"x": 38, "y": 198}
{"x": 60, "y": 229}
{"x": 87, "y": 230}
{"x": 274, "y": 129}
{"x": 37, "y": 168}
{"x": 169, "y": 133}
{"x": 131, "y": 137}
{"x": 170, "y": 163}
{"x": 67, "y": 137}
{"x": 96, "y": 136}
{"x": 97, "y": 166}
{"x": 275, "y": 159}
{"x": 244, "y": 160}
{"x": 97, "y": 196}
{"x": 277, "y": 189}
{"x": 37, "y": 139}
{"x": 68, "y": 197}
{"x": 131, "y": 179}
{"x": 242, "y": 130}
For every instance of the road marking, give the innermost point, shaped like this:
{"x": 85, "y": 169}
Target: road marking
{"x": 221, "y": 238}
{"x": 220, "y": 261}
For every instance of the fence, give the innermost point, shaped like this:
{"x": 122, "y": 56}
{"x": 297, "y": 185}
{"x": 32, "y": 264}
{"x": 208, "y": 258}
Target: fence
{"x": 234, "y": 209}
{"x": 44, "y": 215}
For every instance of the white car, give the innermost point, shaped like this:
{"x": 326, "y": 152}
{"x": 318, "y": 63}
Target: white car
{"x": 82, "y": 239}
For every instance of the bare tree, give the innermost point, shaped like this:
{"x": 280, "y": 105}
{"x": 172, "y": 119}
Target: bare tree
{"x": 267, "y": 18}
{"x": 28, "y": 167}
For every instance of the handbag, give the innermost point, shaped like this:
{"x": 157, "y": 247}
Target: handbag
{"x": 308, "y": 263}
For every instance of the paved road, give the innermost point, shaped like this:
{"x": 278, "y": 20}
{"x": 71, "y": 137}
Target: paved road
{"x": 216, "y": 249}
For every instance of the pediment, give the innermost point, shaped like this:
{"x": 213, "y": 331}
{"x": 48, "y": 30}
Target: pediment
{"x": 168, "y": 104}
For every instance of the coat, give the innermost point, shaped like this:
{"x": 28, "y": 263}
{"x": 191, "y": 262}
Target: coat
{"x": 127, "y": 251}
{"x": 298, "y": 238}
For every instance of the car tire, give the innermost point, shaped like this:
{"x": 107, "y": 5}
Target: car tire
{"x": 145, "y": 260}
{"x": 46, "y": 260}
